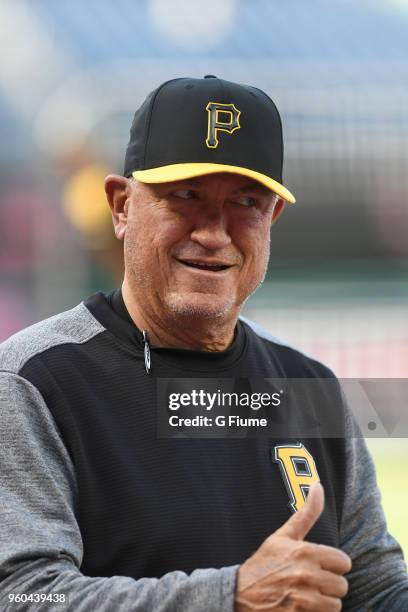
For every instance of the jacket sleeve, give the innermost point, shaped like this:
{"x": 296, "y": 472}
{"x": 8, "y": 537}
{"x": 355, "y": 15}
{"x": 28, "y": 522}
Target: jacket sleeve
{"x": 378, "y": 580}
{"x": 40, "y": 540}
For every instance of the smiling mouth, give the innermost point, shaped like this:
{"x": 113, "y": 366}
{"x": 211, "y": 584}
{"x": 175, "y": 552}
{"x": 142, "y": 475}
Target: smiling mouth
{"x": 210, "y": 267}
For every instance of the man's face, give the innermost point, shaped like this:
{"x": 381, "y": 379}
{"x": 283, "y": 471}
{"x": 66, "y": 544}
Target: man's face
{"x": 197, "y": 247}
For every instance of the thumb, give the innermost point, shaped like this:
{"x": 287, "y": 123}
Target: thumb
{"x": 303, "y": 520}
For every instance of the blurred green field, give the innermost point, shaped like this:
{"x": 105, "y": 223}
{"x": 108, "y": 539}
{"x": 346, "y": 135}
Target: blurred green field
{"x": 390, "y": 458}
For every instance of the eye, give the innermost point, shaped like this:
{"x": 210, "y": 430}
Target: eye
{"x": 247, "y": 201}
{"x": 184, "y": 194}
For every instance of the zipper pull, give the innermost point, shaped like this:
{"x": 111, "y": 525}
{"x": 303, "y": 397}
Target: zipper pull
{"x": 147, "y": 358}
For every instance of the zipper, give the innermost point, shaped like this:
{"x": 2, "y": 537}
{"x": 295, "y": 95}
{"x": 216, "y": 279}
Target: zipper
{"x": 147, "y": 356}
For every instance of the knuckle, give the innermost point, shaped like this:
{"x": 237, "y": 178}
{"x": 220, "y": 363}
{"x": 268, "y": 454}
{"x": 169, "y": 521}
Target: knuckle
{"x": 305, "y": 606}
{"x": 337, "y": 605}
{"x": 345, "y": 560}
{"x": 306, "y": 601}
{"x": 333, "y": 605}
{"x": 299, "y": 552}
{"x": 302, "y": 576}
{"x": 349, "y": 564}
{"x": 344, "y": 586}
{"x": 300, "y": 603}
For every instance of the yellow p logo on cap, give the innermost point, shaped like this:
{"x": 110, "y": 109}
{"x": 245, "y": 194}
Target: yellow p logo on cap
{"x": 215, "y": 125}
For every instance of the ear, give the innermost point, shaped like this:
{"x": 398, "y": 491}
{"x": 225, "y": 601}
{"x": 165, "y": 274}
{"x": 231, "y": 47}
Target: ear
{"x": 278, "y": 210}
{"x": 117, "y": 191}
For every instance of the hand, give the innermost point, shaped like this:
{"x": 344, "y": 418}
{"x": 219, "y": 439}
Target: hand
{"x": 287, "y": 574}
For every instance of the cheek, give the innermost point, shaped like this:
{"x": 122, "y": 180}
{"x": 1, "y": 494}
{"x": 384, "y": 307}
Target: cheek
{"x": 150, "y": 237}
{"x": 260, "y": 256}
{"x": 254, "y": 246}
{"x": 253, "y": 240}
{"x": 167, "y": 234}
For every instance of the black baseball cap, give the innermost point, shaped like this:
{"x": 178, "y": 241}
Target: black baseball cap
{"x": 191, "y": 127}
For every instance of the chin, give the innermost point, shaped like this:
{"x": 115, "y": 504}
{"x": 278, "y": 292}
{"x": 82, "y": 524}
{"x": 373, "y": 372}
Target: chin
{"x": 200, "y": 305}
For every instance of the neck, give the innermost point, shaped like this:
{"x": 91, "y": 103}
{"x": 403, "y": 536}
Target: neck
{"x": 167, "y": 330}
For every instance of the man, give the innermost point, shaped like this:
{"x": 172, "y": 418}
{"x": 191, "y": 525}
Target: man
{"x": 98, "y": 512}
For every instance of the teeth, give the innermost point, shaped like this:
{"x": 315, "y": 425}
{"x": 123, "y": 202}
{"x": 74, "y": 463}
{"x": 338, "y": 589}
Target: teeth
{"x": 205, "y": 265}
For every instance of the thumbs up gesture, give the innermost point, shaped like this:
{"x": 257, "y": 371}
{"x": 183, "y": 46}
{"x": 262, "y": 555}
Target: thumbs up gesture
{"x": 287, "y": 574}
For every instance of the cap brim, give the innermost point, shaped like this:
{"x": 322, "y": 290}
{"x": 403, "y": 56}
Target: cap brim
{"x": 179, "y": 172}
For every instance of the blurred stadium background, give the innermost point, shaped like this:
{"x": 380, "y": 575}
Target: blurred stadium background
{"x": 73, "y": 73}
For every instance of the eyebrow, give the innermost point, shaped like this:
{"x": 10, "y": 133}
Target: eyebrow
{"x": 248, "y": 187}
{"x": 191, "y": 181}
{"x": 254, "y": 186}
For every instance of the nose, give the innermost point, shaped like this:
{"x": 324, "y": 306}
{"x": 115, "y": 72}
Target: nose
{"x": 210, "y": 229}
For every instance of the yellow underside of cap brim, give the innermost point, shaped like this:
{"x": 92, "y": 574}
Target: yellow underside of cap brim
{"x": 180, "y": 172}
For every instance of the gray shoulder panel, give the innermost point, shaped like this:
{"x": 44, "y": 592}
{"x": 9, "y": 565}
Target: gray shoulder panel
{"x": 263, "y": 333}
{"x": 76, "y": 325}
